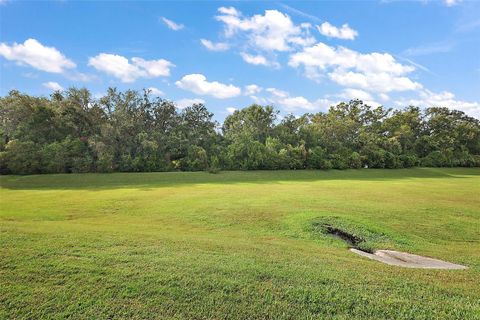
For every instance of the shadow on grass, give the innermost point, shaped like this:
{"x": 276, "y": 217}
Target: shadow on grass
{"x": 150, "y": 180}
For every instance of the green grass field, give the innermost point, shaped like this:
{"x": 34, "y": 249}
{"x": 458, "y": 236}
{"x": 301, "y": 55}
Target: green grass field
{"x": 237, "y": 245}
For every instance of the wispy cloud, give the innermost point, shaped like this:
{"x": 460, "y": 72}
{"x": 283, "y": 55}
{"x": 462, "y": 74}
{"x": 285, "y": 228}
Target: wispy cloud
{"x": 448, "y": 3}
{"x": 468, "y": 26}
{"x": 418, "y": 65}
{"x": 212, "y": 46}
{"x": 172, "y": 25}
{"x": 431, "y": 48}
{"x": 300, "y": 13}
{"x": 451, "y": 3}
{"x": 258, "y": 60}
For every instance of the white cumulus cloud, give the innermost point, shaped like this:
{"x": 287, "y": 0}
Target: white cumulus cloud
{"x": 129, "y": 71}
{"x": 384, "y": 97}
{"x": 54, "y": 86}
{"x": 377, "y": 82}
{"x": 258, "y": 60}
{"x": 198, "y": 84}
{"x": 290, "y": 103}
{"x": 183, "y": 103}
{"x": 446, "y": 99}
{"x": 231, "y": 110}
{"x": 272, "y": 31}
{"x": 36, "y": 55}
{"x": 155, "y": 91}
{"x": 252, "y": 89}
{"x": 351, "y": 94}
{"x": 229, "y": 11}
{"x": 378, "y": 72}
{"x": 344, "y": 32}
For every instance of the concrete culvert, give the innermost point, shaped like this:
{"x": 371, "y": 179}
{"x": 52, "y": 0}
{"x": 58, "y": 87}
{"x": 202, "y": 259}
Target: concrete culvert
{"x": 362, "y": 241}
{"x": 407, "y": 260}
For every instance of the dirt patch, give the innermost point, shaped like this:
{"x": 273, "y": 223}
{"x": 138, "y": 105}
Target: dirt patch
{"x": 407, "y": 260}
{"x": 353, "y": 240}
{"x": 354, "y": 234}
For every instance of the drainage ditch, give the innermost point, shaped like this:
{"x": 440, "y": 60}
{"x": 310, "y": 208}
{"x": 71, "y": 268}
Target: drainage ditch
{"x": 363, "y": 245}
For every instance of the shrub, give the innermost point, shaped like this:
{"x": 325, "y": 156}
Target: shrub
{"x": 355, "y": 161}
{"x": 317, "y": 158}
{"x": 196, "y": 159}
{"x": 214, "y": 166}
{"x": 22, "y": 157}
{"x": 338, "y": 161}
{"x": 374, "y": 156}
{"x": 464, "y": 159}
{"x": 436, "y": 159}
{"x": 408, "y": 160}
{"x": 391, "y": 161}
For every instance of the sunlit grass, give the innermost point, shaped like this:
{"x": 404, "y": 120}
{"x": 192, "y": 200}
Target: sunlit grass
{"x": 236, "y": 245}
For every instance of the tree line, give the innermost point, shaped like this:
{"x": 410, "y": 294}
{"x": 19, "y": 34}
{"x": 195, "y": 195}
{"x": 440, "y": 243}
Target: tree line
{"x": 132, "y": 131}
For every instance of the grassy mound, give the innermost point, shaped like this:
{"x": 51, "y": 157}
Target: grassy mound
{"x": 356, "y": 235}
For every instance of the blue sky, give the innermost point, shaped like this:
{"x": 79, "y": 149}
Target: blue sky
{"x": 300, "y": 56}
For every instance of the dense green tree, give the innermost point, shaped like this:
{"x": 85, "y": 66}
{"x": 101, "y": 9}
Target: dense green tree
{"x": 255, "y": 121}
{"x": 131, "y": 131}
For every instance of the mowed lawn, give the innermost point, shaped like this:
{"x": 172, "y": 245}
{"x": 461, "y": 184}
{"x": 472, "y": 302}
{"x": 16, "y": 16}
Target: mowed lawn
{"x": 236, "y": 245}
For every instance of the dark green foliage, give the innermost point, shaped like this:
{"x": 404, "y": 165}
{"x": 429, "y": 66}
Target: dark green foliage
{"x": 338, "y": 161}
{"x": 355, "y": 160}
{"x": 318, "y": 159}
{"x": 131, "y": 132}
{"x": 21, "y": 157}
{"x": 67, "y": 156}
{"x": 436, "y": 159}
{"x": 195, "y": 160}
{"x": 214, "y": 166}
{"x": 408, "y": 160}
